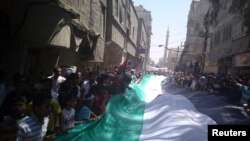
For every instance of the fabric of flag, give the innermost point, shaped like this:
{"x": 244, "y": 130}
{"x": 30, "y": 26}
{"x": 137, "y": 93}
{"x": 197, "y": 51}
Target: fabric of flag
{"x": 144, "y": 113}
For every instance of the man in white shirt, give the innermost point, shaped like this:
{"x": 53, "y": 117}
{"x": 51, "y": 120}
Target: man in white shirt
{"x": 57, "y": 79}
{"x": 87, "y": 84}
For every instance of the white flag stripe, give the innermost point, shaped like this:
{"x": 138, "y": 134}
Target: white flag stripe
{"x": 173, "y": 118}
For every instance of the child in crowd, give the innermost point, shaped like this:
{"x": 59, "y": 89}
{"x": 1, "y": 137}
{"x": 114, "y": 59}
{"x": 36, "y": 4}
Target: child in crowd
{"x": 68, "y": 111}
{"x": 100, "y": 100}
{"x": 55, "y": 115}
{"x": 83, "y": 113}
{"x": 14, "y": 106}
{"x": 34, "y": 127}
{"x": 13, "y": 114}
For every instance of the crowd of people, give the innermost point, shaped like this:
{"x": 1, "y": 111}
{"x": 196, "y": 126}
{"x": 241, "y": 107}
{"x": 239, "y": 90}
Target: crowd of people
{"x": 235, "y": 88}
{"x": 56, "y": 103}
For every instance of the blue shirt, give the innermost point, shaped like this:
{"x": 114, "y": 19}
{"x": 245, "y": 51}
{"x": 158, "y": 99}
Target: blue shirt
{"x": 84, "y": 114}
{"x": 30, "y": 129}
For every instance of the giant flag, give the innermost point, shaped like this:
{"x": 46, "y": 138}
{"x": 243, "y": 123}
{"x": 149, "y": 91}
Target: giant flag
{"x": 144, "y": 113}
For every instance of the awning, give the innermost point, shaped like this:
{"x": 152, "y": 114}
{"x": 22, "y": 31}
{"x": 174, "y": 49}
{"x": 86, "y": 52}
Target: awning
{"x": 41, "y": 29}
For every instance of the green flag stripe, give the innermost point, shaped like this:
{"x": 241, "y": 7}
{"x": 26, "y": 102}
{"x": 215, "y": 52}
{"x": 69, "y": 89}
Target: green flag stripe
{"x": 122, "y": 121}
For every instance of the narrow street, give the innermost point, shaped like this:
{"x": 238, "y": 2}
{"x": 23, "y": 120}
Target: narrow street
{"x": 217, "y": 107}
{"x": 100, "y": 70}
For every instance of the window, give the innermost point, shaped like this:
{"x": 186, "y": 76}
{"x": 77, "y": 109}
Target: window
{"x": 217, "y": 38}
{"x": 120, "y": 15}
{"x": 103, "y": 20}
{"x": 129, "y": 23}
{"x": 80, "y": 4}
{"x": 133, "y": 32}
{"x": 128, "y": 6}
{"x": 116, "y": 8}
{"x": 238, "y": 30}
{"x": 242, "y": 27}
{"x": 227, "y": 32}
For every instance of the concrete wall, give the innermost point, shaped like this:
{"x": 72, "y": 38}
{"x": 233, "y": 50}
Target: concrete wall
{"x": 236, "y": 41}
{"x": 41, "y": 29}
{"x": 134, "y": 24}
{"x": 173, "y": 58}
{"x": 222, "y": 47}
{"x": 240, "y": 40}
{"x": 131, "y": 49}
{"x": 122, "y": 29}
{"x": 142, "y": 42}
{"x": 93, "y": 17}
{"x": 133, "y": 31}
{"x": 41, "y": 33}
{"x": 116, "y": 33}
{"x": 195, "y": 28}
{"x": 117, "y": 36}
{"x": 146, "y": 16}
{"x": 147, "y": 19}
{"x": 31, "y": 30}
{"x": 99, "y": 51}
{"x": 143, "y": 36}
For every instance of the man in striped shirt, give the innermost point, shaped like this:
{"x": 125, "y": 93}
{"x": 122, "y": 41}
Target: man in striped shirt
{"x": 34, "y": 127}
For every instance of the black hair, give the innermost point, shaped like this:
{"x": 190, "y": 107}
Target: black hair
{"x": 68, "y": 95}
{"x": 44, "y": 85}
{"x": 40, "y": 98}
{"x": 56, "y": 69}
{"x": 11, "y": 99}
{"x": 98, "y": 89}
{"x": 72, "y": 76}
{"x": 103, "y": 77}
{"x": 127, "y": 78}
{"x": 19, "y": 98}
{"x": 92, "y": 73}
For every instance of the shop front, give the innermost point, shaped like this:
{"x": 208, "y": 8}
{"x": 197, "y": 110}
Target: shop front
{"x": 242, "y": 63}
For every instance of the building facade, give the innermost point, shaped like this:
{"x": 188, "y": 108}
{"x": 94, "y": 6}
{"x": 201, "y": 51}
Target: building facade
{"x": 121, "y": 35}
{"x": 147, "y": 19}
{"x": 227, "y": 47}
{"x": 230, "y": 52}
{"x": 142, "y": 45}
{"x": 38, "y": 35}
{"x": 194, "y": 46}
{"x": 173, "y": 58}
{"x": 42, "y": 34}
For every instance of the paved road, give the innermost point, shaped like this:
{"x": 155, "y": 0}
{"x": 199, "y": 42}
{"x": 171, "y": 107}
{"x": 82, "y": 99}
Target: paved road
{"x": 218, "y": 107}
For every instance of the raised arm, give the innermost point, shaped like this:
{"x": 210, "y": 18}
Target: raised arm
{"x": 236, "y": 82}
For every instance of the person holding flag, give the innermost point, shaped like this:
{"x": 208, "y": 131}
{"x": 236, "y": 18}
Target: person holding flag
{"x": 139, "y": 114}
{"x": 121, "y": 80}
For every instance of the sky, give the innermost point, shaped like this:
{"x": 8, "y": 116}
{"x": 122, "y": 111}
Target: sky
{"x": 172, "y": 13}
